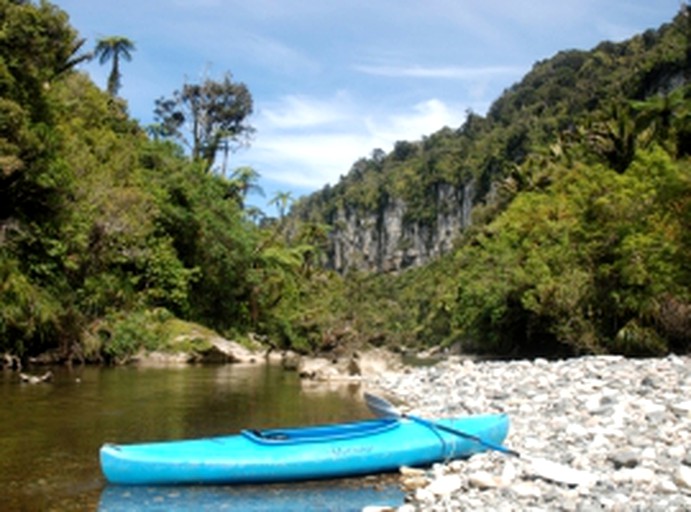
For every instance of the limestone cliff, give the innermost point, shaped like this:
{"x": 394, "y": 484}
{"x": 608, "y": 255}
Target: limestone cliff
{"x": 387, "y": 239}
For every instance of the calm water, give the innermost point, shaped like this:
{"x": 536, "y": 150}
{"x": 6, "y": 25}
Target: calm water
{"x": 50, "y": 435}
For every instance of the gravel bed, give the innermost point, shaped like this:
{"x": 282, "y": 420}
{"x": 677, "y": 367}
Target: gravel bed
{"x": 624, "y": 425}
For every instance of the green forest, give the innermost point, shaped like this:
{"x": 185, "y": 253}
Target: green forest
{"x": 113, "y": 235}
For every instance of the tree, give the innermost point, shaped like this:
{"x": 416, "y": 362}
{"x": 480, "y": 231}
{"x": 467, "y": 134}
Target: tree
{"x": 214, "y": 113}
{"x": 241, "y": 182}
{"x": 281, "y": 200}
{"x": 112, "y": 48}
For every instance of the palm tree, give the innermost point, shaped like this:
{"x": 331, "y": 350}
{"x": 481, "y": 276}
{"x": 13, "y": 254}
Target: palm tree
{"x": 243, "y": 180}
{"x": 281, "y": 200}
{"x": 114, "y": 47}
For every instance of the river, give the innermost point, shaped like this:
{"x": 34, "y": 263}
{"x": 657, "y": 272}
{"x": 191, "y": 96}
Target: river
{"x": 50, "y": 434}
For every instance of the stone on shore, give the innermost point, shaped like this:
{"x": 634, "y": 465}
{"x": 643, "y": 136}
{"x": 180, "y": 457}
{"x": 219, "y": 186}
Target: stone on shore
{"x": 615, "y": 433}
{"x": 682, "y": 477}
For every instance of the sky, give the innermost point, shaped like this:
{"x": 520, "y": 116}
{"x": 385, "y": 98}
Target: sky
{"x": 332, "y": 80}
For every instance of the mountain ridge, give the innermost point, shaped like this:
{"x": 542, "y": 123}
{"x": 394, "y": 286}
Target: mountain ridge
{"x": 405, "y": 208}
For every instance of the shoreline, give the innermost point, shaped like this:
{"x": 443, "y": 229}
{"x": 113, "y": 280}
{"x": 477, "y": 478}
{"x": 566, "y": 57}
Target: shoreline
{"x": 625, "y": 424}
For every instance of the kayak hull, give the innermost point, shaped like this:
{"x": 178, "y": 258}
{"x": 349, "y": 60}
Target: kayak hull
{"x": 308, "y": 453}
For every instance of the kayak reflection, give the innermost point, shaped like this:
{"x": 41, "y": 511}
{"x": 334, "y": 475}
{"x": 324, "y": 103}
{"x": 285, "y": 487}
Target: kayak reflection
{"x": 337, "y": 496}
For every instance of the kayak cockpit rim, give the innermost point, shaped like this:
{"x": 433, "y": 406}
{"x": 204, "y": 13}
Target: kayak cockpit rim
{"x": 321, "y": 433}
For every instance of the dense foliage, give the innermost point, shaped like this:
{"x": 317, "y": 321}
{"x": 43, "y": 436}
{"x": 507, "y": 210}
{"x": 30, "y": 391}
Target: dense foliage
{"x": 106, "y": 233}
{"x": 580, "y": 228}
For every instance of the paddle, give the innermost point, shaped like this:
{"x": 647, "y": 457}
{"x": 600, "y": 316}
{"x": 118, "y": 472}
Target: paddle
{"x": 384, "y": 408}
{"x": 541, "y": 467}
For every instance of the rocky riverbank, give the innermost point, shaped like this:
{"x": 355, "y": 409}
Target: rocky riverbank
{"x": 621, "y": 426}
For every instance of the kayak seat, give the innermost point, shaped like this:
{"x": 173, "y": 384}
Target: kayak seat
{"x": 273, "y": 436}
{"x": 321, "y": 433}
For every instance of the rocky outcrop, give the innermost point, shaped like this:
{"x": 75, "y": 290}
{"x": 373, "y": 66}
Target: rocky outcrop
{"x": 354, "y": 367}
{"x": 391, "y": 239}
{"x": 218, "y": 350}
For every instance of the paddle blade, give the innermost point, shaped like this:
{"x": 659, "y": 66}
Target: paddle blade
{"x": 381, "y": 407}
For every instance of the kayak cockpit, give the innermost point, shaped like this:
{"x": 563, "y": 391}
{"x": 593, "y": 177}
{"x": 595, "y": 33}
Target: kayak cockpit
{"x": 321, "y": 433}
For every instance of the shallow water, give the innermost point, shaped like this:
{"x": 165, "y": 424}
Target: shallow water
{"x": 50, "y": 434}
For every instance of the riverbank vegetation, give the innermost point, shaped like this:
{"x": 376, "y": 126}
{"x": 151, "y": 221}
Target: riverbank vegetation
{"x": 580, "y": 242}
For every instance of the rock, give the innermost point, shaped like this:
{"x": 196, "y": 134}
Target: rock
{"x": 526, "y": 490}
{"x": 373, "y": 363}
{"x": 682, "y": 408}
{"x": 386, "y": 240}
{"x": 408, "y": 471}
{"x": 560, "y": 473}
{"x": 290, "y": 361}
{"x": 624, "y": 459}
{"x": 677, "y": 452}
{"x": 682, "y": 477}
{"x": 314, "y": 367}
{"x": 619, "y": 428}
{"x": 10, "y": 361}
{"x": 667, "y": 487}
{"x": 36, "y": 379}
{"x": 226, "y": 351}
{"x": 509, "y": 473}
{"x": 196, "y": 345}
{"x": 636, "y": 475}
{"x": 412, "y": 483}
{"x": 445, "y": 485}
{"x": 353, "y": 367}
{"x": 413, "y": 478}
{"x": 485, "y": 480}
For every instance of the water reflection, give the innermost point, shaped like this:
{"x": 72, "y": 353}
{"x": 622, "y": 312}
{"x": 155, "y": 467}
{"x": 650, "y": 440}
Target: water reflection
{"x": 337, "y": 496}
{"x": 50, "y": 433}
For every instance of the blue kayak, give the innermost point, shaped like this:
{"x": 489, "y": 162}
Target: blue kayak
{"x": 307, "y": 453}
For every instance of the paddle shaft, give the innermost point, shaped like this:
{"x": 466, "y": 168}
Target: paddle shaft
{"x": 383, "y": 407}
{"x": 460, "y": 433}
{"x": 543, "y": 468}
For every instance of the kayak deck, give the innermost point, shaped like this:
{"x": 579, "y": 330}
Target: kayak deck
{"x": 320, "y": 433}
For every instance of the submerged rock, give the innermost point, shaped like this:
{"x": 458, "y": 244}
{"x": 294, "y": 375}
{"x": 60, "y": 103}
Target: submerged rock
{"x": 36, "y": 379}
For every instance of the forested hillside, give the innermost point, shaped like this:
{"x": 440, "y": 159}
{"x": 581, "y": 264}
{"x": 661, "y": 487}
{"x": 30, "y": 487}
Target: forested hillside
{"x": 577, "y": 239}
{"x": 573, "y": 95}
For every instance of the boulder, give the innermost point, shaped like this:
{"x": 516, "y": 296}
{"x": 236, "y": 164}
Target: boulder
{"x": 290, "y": 361}
{"x": 213, "y": 350}
{"x": 36, "y": 379}
{"x": 226, "y": 351}
{"x": 356, "y": 366}
{"x": 373, "y": 363}
{"x": 322, "y": 369}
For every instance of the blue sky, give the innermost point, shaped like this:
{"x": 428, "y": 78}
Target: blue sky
{"x": 334, "y": 79}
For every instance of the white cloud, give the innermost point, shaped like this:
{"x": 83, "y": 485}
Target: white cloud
{"x": 299, "y": 111}
{"x": 451, "y": 72}
{"x": 308, "y": 142}
{"x": 423, "y": 118}
{"x": 269, "y": 52}
{"x": 309, "y": 160}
